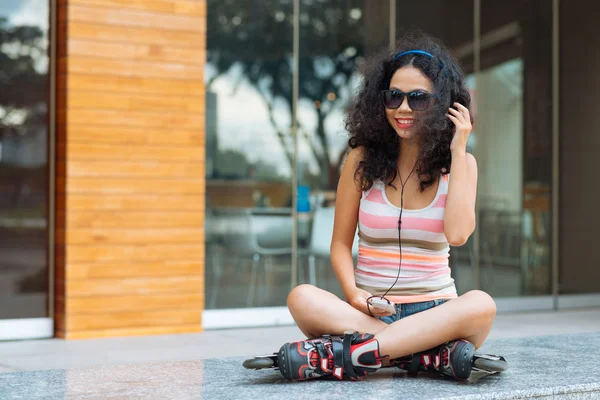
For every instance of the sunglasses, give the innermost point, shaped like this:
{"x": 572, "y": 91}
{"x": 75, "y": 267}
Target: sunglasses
{"x": 417, "y": 101}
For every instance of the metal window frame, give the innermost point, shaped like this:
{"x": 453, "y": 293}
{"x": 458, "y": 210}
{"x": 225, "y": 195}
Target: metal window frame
{"x": 555, "y": 153}
{"x": 295, "y": 92}
{"x": 52, "y": 161}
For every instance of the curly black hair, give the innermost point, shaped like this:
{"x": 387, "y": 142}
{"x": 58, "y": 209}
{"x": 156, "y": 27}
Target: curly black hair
{"x": 369, "y": 128}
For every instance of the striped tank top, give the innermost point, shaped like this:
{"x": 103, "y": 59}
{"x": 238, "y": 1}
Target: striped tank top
{"x": 425, "y": 273}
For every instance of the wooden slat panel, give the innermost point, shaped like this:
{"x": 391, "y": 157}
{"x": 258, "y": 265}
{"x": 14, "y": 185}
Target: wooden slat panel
{"x": 93, "y": 203}
{"x": 135, "y": 219}
{"x": 167, "y": 120}
{"x": 178, "y": 267}
{"x": 135, "y": 18}
{"x": 134, "y": 253}
{"x": 133, "y": 102}
{"x": 119, "y": 135}
{"x": 81, "y": 151}
{"x": 134, "y": 236}
{"x": 127, "y": 169}
{"x": 125, "y": 34}
{"x": 133, "y": 319}
{"x": 130, "y": 171}
{"x": 108, "y": 186}
{"x": 101, "y": 66}
{"x": 92, "y": 305}
{"x": 137, "y": 52}
{"x": 118, "y": 287}
{"x": 135, "y": 331}
{"x": 183, "y": 7}
{"x": 121, "y": 84}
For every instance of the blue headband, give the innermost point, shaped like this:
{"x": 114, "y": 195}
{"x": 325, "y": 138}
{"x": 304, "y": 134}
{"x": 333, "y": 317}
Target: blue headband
{"x": 424, "y": 53}
{"x": 421, "y": 52}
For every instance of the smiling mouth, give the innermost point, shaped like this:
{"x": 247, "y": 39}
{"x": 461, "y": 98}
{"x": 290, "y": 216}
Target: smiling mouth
{"x": 404, "y": 123}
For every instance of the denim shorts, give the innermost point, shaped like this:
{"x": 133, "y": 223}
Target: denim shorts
{"x": 405, "y": 310}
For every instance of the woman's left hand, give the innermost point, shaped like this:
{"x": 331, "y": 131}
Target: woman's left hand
{"x": 462, "y": 120}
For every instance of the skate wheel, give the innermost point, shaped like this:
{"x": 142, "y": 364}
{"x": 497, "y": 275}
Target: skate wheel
{"x": 258, "y": 363}
{"x": 491, "y": 365}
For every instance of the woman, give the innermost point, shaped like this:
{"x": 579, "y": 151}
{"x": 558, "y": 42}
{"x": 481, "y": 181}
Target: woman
{"x": 410, "y": 186}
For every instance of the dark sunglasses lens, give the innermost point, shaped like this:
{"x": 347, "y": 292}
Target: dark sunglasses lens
{"x": 392, "y": 98}
{"x": 418, "y": 101}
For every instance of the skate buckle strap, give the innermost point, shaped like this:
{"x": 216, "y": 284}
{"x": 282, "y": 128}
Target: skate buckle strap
{"x": 337, "y": 346}
{"x": 348, "y": 366}
{"x": 414, "y": 365}
{"x": 323, "y": 356}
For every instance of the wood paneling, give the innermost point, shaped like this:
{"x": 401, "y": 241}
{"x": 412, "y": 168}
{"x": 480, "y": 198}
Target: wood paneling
{"x": 137, "y": 331}
{"x": 157, "y": 219}
{"x": 137, "y": 18}
{"x": 128, "y": 303}
{"x": 161, "y": 120}
{"x": 190, "y": 7}
{"x": 117, "y": 135}
{"x": 133, "y": 253}
{"x": 102, "y": 151}
{"x": 110, "y": 185}
{"x": 142, "y": 52}
{"x": 119, "y": 270}
{"x": 134, "y": 236}
{"x": 130, "y": 167}
{"x": 88, "y": 202}
{"x": 129, "y": 68}
{"x": 133, "y": 318}
{"x": 135, "y": 84}
{"x": 124, "y": 34}
{"x": 136, "y": 102}
{"x": 141, "y": 286}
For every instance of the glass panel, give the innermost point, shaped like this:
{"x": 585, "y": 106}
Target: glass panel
{"x": 249, "y": 151}
{"x": 335, "y": 35}
{"x": 452, "y": 23}
{"x": 579, "y": 147}
{"x": 23, "y": 159}
{"x": 513, "y": 137}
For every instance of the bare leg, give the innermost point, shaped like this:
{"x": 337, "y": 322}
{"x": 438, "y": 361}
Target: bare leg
{"x": 318, "y": 312}
{"x": 470, "y": 317}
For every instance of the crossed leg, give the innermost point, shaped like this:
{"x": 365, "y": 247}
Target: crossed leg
{"x": 470, "y": 316}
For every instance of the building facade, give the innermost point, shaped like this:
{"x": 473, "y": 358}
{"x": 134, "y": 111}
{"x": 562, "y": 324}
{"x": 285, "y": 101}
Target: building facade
{"x": 169, "y": 166}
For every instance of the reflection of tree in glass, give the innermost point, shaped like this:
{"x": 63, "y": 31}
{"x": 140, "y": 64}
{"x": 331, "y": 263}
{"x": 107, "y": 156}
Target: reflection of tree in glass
{"x": 256, "y": 37}
{"x": 23, "y": 166}
{"x": 23, "y": 103}
{"x": 21, "y": 49}
{"x": 232, "y": 164}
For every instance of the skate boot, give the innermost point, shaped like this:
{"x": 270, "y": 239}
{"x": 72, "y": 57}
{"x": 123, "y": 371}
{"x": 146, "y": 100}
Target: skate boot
{"x": 353, "y": 355}
{"x": 453, "y": 359}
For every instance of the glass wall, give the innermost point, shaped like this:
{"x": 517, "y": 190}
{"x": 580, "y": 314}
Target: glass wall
{"x": 508, "y": 72}
{"x": 579, "y": 147}
{"x": 249, "y": 153}
{"x": 250, "y": 146}
{"x": 335, "y": 36}
{"x": 452, "y": 22}
{"x": 513, "y": 139}
{"x": 24, "y": 104}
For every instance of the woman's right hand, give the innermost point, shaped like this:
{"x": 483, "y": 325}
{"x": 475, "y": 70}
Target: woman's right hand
{"x": 358, "y": 299}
